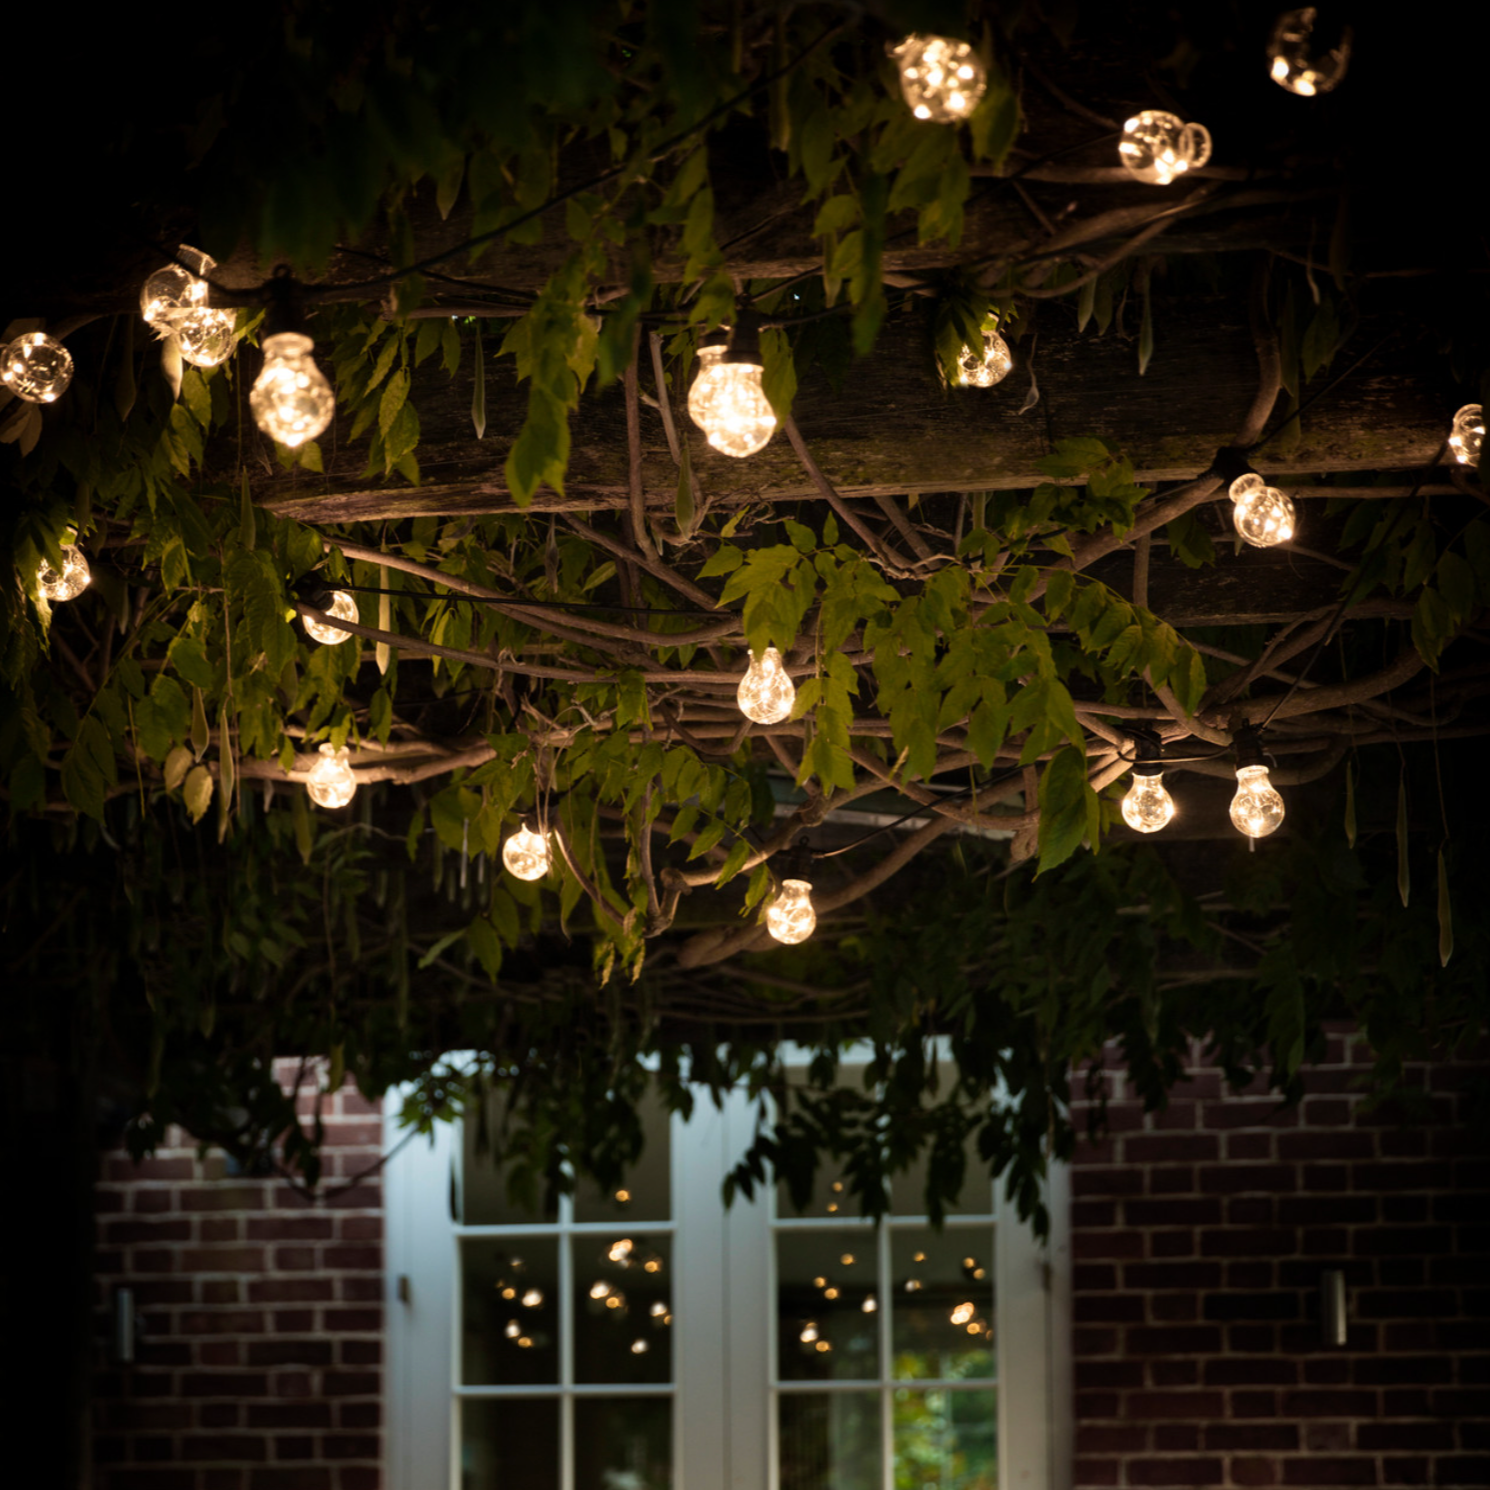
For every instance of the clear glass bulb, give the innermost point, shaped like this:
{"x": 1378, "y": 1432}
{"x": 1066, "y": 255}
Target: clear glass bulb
{"x": 1289, "y": 63}
{"x": 1148, "y": 806}
{"x": 728, "y": 403}
{"x": 1468, "y": 434}
{"x": 1156, "y": 147}
{"x": 942, "y": 80}
{"x": 72, "y": 580}
{"x": 344, "y": 608}
{"x": 987, "y": 365}
{"x": 766, "y": 694}
{"x": 291, "y": 400}
{"x": 36, "y": 367}
{"x": 173, "y": 302}
{"x": 526, "y": 854}
{"x": 1263, "y": 515}
{"x": 790, "y": 917}
{"x": 1257, "y": 809}
{"x": 332, "y": 782}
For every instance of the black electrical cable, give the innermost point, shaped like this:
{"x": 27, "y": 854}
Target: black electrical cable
{"x": 643, "y": 610}
{"x": 1319, "y": 393}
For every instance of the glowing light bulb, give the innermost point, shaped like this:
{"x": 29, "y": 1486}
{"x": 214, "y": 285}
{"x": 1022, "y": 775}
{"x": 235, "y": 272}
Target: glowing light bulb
{"x": 533, "y": 1298}
{"x": 615, "y": 1301}
{"x": 728, "y": 403}
{"x": 621, "y": 1252}
{"x": 847, "y": 1259}
{"x": 766, "y": 694}
{"x": 173, "y": 302}
{"x": 869, "y": 1305}
{"x": 1156, "y": 147}
{"x": 623, "y": 1197}
{"x": 344, "y": 608}
{"x": 331, "y": 782}
{"x": 962, "y": 1313}
{"x": 1263, "y": 515}
{"x": 942, "y": 80}
{"x": 1468, "y": 434}
{"x": 1257, "y": 809}
{"x": 790, "y": 917}
{"x": 1148, "y": 807}
{"x": 808, "y": 1334}
{"x": 639, "y": 1347}
{"x": 1289, "y": 62}
{"x": 36, "y": 367}
{"x": 512, "y": 1329}
{"x": 526, "y": 854}
{"x": 291, "y": 400}
{"x": 599, "y": 1290}
{"x": 913, "y": 1285}
{"x": 657, "y": 1309}
{"x": 984, "y": 366}
{"x": 71, "y": 581}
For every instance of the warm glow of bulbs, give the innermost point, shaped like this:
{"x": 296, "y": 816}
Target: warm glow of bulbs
{"x": 36, "y": 367}
{"x": 790, "y": 917}
{"x": 1468, "y": 434}
{"x": 526, "y": 854}
{"x": 533, "y": 1298}
{"x": 1263, "y": 515}
{"x": 291, "y": 400}
{"x": 173, "y": 302}
{"x": 766, "y": 694}
{"x": 344, "y": 608}
{"x": 942, "y": 80}
{"x": 1290, "y": 64}
{"x": 332, "y": 782}
{"x": 1156, "y": 147}
{"x": 1257, "y": 809}
{"x": 729, "y": 404}
{"x": 987, "y": 365}
{"x": 962, "y": 1313}
{"x": 1148, "y": 806}
{"x": 71, "y": 581}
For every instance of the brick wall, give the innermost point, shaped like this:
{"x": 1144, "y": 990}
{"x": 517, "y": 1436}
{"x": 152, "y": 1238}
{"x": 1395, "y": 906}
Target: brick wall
{"x": 1198, "y": 1238}
{"x": 259, "y": 1357}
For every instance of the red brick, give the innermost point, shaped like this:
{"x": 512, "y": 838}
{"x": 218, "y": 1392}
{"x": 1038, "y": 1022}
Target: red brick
{"x": 1171, "y": 1212}
{"x": 1091, "y": 1341}
{"x": 1117, "y": 1180}
{"x": 218, "y": 1353}
{"x": 1405, "y": 1437}
{"x": 295, "y": 1259}
{"x": 362, "y": 1290}
{"x": 1123, "y": 1308}
{"x": 221, "y": 1291}
{"x": 223, "y": 1479}
{"x": 1463, "y": 1470}
{"x": 1099, "y": 1375}
{"x": 1322, "y": 1404}
{"x": 1230, "y": 1371}
{"x": 351, "y": 1446}
{"x": 1174, "y": 1372}
{"x": 352, "y": 1383}
{"x": 1173, "y": 1308}
{"x": 1248, "y": 1242}
{"x": 290, "y": 1228}
{"x": 1338, "y": 1145}
{"x": 225, "y": 1384}
{"x": 289, "y": 1415}
{"x": 244, "y": 1447}
{"x": 1088, "y": 1213}
{"x": 359, "y": 1415}
{"x": 295, "y": 1448}
{"x": 1157, "y": 1406}
{"x": 1327, "y": 1371}
{"x": 1171, "y": 1148}
{"x": 1176, "y": 1438}
{"x": 222, "y": 1260}
{"x": 1250, "y": 1113}
{"x": 220, "y": 1228}
{"x": 1239, "y": 1179}
{"x": 1249, "y": 1146}
{"x": 223, "y": 1198}
{"x": 360, "y": 1228}
{"x": 354, "y": 1258}
{"x": 1171, "y": 1179}
{"x": 129, "y": 1233}
{"x": 290, "y": 1290}
{"x": 294, "y": 1321}
{"x": 1421, "y": 1241}
{"x": 222, "y": 1322}
{"x": 1254, "y": 1404}
{"x": 289, "y": 1353}
{"x": 1328, "y": 1438}
{"x": 153, "y": 1478}
{"x": 359, "y": 1477}
{"x": 1093, "y": 1277}
{"x": 359, "y": 1198}
{"x": 298, "y": 1477}
{"x": 1325, "y": 1179}
{"x": 1253, "y": 1437}
{"x": 1253, "y": 1471}
{"x": 1171, "y": 1244}
{"x": 1252, "y": 1275}
{"x": 1406, "y": 1471}
{"x": 1110, "y": 1439}
{"x": 1175, "y": 1472}
{"x": 124, "y": 1169}
{"x": 1317, "y": 1471}
{"x": 1086, "y": 1245}
{"x": 1331, "y": 1210}
{"x": 1097, "y": 1471}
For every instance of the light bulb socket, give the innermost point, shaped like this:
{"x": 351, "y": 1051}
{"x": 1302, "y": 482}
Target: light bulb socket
{"x": 745, "y": 340}
{"x": 284, "y": 301}
{"x": 1232, "y": 462}
{"x": 1247, "y": 746}
{"x": 312, "y": 590}
{"x": 796, "y": 862}
{"x": 1148, "y": 752}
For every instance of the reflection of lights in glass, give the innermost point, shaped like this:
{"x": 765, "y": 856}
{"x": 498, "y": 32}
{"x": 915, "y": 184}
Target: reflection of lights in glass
{"x": 823, "y": 1346}
{"x": 1289, "y": 62}
{"x": 652, "y": 1265}
{"x": 525, "y": 1342}
{"x": 819, "y": 1282}
{"x": 658, "y": 1309}
{"x": 976, "y": 1327}
{"x": 599, "y": 1290}
{"x": 533, "y": 1298}
{"x": 1148, "y": 805}
{"x": 970, "y": 1262}
{"x": 173, "y": 302}
{"x": 512, "y": 1329}
{"x": 790, "y": 917}
{"x": 913, "y": 1285}
{"x": 962, "y": 1313}
{"x": 509, "y": 1292}
{"x": 1263, "y": 515}
{"x": 615, "y": 1301}
{"x": 1468, "y": 434}
{"x": 526, "y": 854}
{"x": 919, "y": 1257}
{"x": 344, "y": 608}
{"x": 331, "y": 782}
{"x": 291, "y": 400}
{"x": 869, "y": 1305}
{"x": 621, "y": 1251}
{"x": 1156, "y": 147}
{"x": 623, "y": 1197}
{"x": 847, "y": 1259}
{"x": 70, "y": 582}
{"x": 1257, "y": 809}
{"x": 984, "y": 366}
{"x": 808, "y": 1334}
{"x": 832, "y": 1207}
{"x": 36, "y": 368}
{"x": 830, "y": 1292}
{"x": 729, "y": 404}
{"x": 639, "y": 1347}
{"x": 979, "y": 1274}
{"x": 837, "y": 1187}
{"x": 766, "y": 694}
{"x": 942, "y": 80}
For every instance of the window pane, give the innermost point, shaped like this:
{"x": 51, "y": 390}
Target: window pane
{"x": 827, "y": 1304}
{"x": 623, "y": 1288}
{"x": 945, "y": 1440}
{"x": 509, "y": 1311}
{"x": 483, "y": 1200}
{"x": 622, "y": 1443}
{"x": 908, "y": 1188}
{"x": 645, "y": 1194}
{"x": 511, "y": 1445}
{"x": 829, "y": 1440}
{"x": 941, "y": 1311}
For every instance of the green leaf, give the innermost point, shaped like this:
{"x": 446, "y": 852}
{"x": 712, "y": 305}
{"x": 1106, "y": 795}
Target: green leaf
{"x": 478, "y": 390}
{"x": 1063, "y": 807}
{"x": 200, "y": 735}
{"x": 779, "y": 378}
{"x": 178, "y": 763}
{"x": 247, "y": 532}
{"x": 1445, "y": 915}
{"x": 393, "y": 400}
{"x": 1404, "y": 883}
{"x": 198, "y": 792}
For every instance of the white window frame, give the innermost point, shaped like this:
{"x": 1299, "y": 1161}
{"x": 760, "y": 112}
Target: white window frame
{"x": 724, "y": 1370}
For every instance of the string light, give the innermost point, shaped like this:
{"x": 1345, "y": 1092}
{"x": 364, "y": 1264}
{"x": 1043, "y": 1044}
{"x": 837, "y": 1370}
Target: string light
{"x": 526, "y": 854}
{"x": 983, "y": 367}
{"x": 173, "y": 302}
{"x": 533, "y": 1298}
{"x": 1257, "y": 809}
{"x": 291, "y": 400}
{"x": 790, "y": 917}
{"x": 1148, "y": 807}
{"x": 727, "y": 400}
{"x": 1468, "y": 434}
{"x": 332, "y": 782}
{"x": 70, "y": 581}
{"x": 344, "y": 608}
{"x": 36, "y": 367}
{"x": 1263, "y": 515}
{"x": 942, "y": 80}
{"x": 1156, "y": 147}
{"x": 1289, "y": 62}
{"x": 766, "y": 694}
